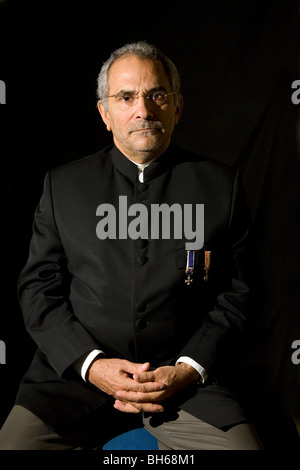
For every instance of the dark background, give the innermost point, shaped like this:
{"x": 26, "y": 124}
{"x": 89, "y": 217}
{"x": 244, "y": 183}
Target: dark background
{"x": 237, "y": 61}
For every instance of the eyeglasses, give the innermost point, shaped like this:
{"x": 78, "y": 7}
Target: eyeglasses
{"x": 130, "y": 98}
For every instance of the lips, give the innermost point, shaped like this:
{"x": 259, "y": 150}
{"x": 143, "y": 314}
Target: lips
{"x": 147, "y": 127}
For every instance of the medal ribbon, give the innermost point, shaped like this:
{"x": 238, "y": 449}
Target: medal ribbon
{"x": 190, "y": 265}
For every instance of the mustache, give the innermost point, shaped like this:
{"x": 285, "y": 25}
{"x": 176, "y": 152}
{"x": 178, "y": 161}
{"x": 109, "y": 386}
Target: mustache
{"x": 146, "y": 125}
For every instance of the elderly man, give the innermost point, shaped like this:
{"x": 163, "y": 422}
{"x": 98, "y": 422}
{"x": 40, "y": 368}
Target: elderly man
{"x": 134, "y": 322}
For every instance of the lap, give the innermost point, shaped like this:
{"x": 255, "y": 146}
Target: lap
{"x": 182, "y": 431}
{"x": 23, "y": 430}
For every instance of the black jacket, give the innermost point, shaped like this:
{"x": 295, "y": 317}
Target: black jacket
{"x": 129, "y": 297}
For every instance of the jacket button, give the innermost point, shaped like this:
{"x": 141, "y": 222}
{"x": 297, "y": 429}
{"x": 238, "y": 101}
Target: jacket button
{"x": 141, "y": 307}
{"x": 142, "y": 186}
{"x": 143, "y": 243}
{"x": 142, "y": 259}
{"x": 140, "y": 323}
{"x": 145, "y": 201}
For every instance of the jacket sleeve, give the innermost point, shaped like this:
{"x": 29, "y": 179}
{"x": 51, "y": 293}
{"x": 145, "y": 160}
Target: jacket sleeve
{"x": 224, "y": 326}
{"x": 43, "y": 291}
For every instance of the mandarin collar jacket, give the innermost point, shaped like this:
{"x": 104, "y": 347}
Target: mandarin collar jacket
{"x": 128, "y": 297}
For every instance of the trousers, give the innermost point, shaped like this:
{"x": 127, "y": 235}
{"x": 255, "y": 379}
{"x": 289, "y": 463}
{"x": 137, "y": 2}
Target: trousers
{"x": 23, "y": 430}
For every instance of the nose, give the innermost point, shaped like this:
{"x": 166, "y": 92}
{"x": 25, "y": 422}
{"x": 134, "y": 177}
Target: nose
{"x": 143, "y": 108}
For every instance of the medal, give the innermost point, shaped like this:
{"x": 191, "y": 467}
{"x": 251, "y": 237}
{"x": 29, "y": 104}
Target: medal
{"x": 190, "y": 263}
{"x": 207, "y": 259}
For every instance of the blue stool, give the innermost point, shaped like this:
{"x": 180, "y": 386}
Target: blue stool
{"x": 137, "y": 439}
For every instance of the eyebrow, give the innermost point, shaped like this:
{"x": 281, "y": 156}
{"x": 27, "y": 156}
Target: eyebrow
{"x": 132, "y": 92}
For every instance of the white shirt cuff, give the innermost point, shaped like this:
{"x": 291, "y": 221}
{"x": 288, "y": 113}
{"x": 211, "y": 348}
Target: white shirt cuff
{"x": 196, "y": 366}
{"x": 82, "y": 364}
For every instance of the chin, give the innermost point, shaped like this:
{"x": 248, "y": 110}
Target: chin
{"x": 149, "y": 145}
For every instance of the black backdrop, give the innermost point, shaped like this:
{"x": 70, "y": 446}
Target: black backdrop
{"x": 237, "y": 60}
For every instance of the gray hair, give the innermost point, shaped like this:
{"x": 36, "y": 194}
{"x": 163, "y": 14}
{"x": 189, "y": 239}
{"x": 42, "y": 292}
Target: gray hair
{"x": 141, "y": 49}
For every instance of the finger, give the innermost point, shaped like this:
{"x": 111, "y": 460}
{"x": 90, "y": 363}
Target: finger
{"x": 150, "y": 408}
{"x": 144, "y": 376}
{"x": 147, "y": 387}
{"x": 138, "y": 397}
{"x": 130, "y": 385}
{"x": 127, "y": 407}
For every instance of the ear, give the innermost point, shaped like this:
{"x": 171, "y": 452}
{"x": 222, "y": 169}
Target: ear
{"x": 104, "y": 114}
{"x": 178, "y": 110}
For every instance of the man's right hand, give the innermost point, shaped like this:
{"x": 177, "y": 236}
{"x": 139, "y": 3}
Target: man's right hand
{"x": 113, "y": 375}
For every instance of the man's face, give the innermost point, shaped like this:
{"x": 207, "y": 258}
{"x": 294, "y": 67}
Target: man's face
{"x": 141, "y": 131}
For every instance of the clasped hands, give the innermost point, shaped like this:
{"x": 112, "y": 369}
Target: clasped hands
{"x": 135, "y": 387}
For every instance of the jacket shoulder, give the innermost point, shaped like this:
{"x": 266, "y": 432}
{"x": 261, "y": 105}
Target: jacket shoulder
{"x": 190, "y": 161}
{"x": 82, "y": 166}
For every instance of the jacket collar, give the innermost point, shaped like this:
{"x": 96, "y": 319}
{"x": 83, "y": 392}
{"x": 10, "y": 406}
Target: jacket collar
{"x": 157, "y": 167}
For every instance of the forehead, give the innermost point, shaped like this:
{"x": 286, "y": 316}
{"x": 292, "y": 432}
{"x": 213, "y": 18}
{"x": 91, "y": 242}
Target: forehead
{"x": 132, "y": 72}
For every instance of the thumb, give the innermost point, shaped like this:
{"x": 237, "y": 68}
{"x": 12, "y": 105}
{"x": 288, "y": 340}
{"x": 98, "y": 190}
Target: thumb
{"x": 144, "y": 367}
{"x": 134, "y": 368}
